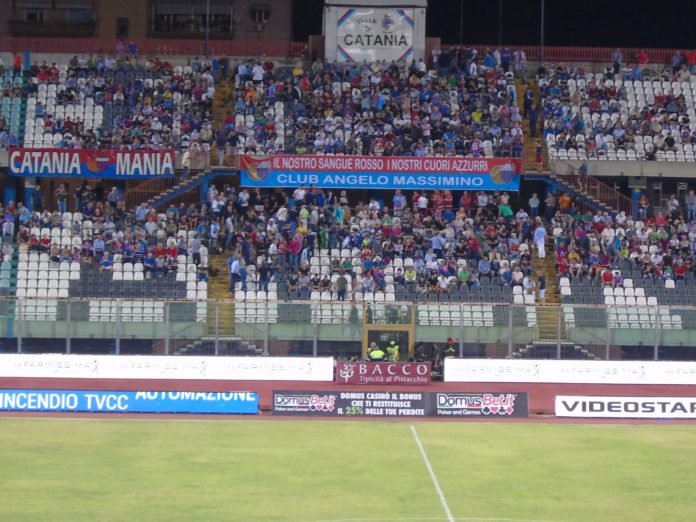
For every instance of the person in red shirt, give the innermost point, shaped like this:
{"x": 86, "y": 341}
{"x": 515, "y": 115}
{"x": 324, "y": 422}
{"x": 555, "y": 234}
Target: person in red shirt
{"x": 679, "y": 271}
{"x": 466, "y": 202}
{"x": 17, "y": 63}
{"x": 436, "y": 200}
{"x": 607, "y": 277}
{"x": 447, "y": 200}
{"x": 691, "y": 61}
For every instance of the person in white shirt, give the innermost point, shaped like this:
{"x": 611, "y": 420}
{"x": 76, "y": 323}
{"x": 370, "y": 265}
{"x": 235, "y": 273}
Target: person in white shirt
{"x": 229, "y": 232}
{"x": 299, "y": 194}
{"x": 540, "y": 240}
{"x": 257, "y": 73}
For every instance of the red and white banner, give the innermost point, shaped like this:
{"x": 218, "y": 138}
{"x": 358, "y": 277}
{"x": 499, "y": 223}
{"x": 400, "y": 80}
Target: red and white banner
{"x": 381, "y": 172}
{"x": 415, "y": 374}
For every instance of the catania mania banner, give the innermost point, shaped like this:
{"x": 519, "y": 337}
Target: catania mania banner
{"x": 72, "y": 163}
{"x": 381, "y": 172}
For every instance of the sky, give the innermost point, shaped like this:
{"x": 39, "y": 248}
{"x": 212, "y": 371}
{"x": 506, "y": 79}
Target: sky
{"x": 591, "y": 23}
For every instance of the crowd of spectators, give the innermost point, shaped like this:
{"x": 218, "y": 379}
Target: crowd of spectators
{"x": 104, "y": 231}
{"x": 607, "y": 116}
{"x": 311, "y": 240}
{"x": 121, "y": 102}
{"x": 426, "y": 243}
{"x": 653, "y": 247}
{"x": 374, "y": 109}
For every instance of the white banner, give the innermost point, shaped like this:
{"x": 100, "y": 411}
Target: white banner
{"x": 626, "y": 407}
{"x": 367, "y": 34}
{"x": 570, "y": 371}
{"x": 167, "y": 367}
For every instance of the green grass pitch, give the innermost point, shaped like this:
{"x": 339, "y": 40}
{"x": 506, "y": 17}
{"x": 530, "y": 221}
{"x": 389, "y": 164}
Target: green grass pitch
{"x": 286, "y": 470}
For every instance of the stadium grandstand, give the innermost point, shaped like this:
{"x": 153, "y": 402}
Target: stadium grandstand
{"x": 177, "y": 190}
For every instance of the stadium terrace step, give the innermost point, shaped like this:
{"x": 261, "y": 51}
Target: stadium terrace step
{"x": 224, "y": 91}
{"x": 530, "y": 164}
{"x": 552, "y": 350}
{"x": 226, "y": 345}
{"x": 218, "y": 289}
{"x": 178, "y": 190}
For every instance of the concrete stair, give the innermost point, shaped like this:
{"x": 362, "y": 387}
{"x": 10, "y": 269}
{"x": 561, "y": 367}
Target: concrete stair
{"x": 226, "y": 345}
{"x": 220, "y": 313}
{"x": 550, "y": 350}
{"x": 181, "y": 187}
{"x": 548, "y": 316}
{"x": 222, "y": 103}
{"x": 529, "y": 163}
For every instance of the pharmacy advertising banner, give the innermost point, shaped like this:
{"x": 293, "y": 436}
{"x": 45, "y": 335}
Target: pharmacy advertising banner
{"x": 73, "y": 163}
{"x": 381, "y": 172}
{"x": 371, "y": 34}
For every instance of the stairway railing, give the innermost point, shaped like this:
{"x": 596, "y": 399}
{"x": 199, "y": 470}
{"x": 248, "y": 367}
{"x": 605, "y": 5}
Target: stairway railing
{"x": 592, "y": 186}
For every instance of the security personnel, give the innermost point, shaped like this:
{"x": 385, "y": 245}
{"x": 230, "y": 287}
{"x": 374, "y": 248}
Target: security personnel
{"x": 450, "y": 352}
{"x": 393, "y": 351}
{"x": 376, "y": 355}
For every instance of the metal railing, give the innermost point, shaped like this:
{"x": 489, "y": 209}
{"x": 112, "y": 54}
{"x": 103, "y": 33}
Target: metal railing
{"x": 154, "y": 46}
{"x": 341, "y": 328}
{"x": 572, "y": 54}
{"x": 592, "y": 186}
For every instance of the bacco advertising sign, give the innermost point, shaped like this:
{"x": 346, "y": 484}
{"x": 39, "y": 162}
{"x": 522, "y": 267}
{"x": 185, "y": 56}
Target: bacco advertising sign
{"x": 371, "y": 34}
{"x": 414, "y": 374}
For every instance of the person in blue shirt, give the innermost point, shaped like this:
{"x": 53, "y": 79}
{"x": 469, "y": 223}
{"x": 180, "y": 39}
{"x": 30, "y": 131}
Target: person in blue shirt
{"x": 98, "y": 245}
{"x": 105, "y": 264}
{"x": 484, "y": 267}
{"x": 149, "y": 264}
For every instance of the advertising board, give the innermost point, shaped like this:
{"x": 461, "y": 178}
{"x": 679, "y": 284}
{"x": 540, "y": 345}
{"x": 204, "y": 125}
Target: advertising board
{"x": 412, "y": 374}
{"x": 380, "y": 172}
{"x": 84, "y": 163}
{"x": 570, "y": 371}
{"x": 462, "y": 404}
{"x": 166, "y": 367}
{"x": 399, "y": 404}
{"x": 626, "y": 407}
{"x": 373, "y": 34}
{"x": 130, "y": 401}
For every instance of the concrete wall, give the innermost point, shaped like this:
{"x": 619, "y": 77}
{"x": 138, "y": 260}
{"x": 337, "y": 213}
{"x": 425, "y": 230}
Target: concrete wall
{"x": 134, "y": 10}
{"x": 639, "y": 169}
{"x": 278, "y": 27}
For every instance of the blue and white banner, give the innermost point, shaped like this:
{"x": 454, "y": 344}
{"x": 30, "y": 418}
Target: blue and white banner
{"x": 130, "y": 401}
{"x": 381, "y": 172}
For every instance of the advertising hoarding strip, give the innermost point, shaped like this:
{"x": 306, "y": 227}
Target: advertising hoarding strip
{"x": 399, "y": 404}
{"x": 130, "y": 401}
{"x": 384, "y": 373}
{"x": 148, "y": 367}
{"x": 626, "y": 407}
{"x": 570, "y": 371}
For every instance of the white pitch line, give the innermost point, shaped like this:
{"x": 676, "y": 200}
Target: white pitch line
{"x": 421, "y": 519}
{"x": 443, "y": 501}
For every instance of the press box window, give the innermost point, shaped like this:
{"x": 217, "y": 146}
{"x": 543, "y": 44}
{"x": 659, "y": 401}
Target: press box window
{"x": 34, "y": 15}
{"x": 260, "y": 14}
{"x": 79, "y": 16}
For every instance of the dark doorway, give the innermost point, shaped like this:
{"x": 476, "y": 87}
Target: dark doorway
{"x": 122, "y": 28}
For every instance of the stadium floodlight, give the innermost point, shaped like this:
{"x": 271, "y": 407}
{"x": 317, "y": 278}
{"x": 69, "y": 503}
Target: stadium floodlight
{"x": 207, "y": 26}
{"x": 542, "y": 32}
